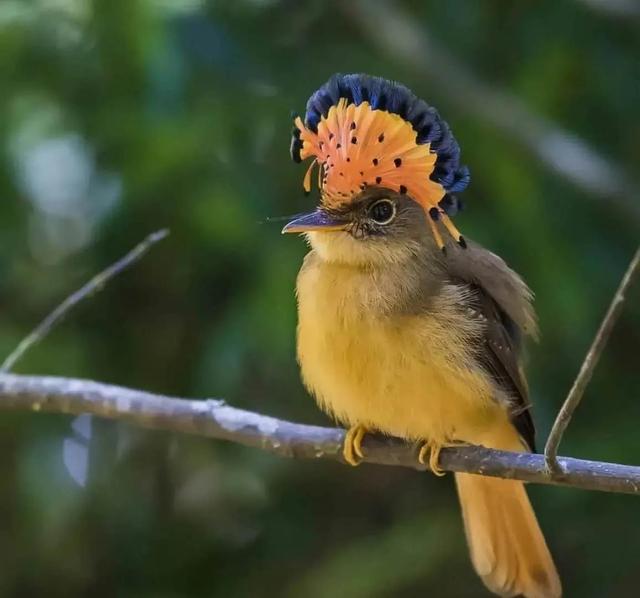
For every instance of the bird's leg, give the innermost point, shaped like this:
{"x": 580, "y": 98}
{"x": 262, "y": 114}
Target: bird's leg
{"x": 352, "y": 447}
{"x": 432, "y": 450}
{"x": 429, "y": 454}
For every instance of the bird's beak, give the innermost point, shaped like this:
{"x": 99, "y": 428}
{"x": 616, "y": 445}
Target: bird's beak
{"x": 318, "y": 220}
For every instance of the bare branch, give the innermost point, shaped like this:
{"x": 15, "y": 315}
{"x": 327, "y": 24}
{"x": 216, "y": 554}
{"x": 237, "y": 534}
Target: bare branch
{"x": 397, "y": 34}
{"x": 93, "y": 286}
{"x": 588, "y": 365}
{"x": 215, "y": 419}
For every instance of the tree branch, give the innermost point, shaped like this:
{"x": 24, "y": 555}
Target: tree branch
{"x": 214, "y": 419}
{"x": 96, "y": 284}
{"x": 588, "y": 365}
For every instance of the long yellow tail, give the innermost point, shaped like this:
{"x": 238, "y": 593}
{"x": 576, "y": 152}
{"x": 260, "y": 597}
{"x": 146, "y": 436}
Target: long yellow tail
{"x": 507, "y": 547}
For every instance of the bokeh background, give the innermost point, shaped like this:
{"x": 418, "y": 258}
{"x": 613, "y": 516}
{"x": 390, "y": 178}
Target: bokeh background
{"x": 121, "y": 117}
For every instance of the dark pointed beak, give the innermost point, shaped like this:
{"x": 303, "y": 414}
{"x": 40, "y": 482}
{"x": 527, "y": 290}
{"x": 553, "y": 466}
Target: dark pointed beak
{"x": 318, "y": 220}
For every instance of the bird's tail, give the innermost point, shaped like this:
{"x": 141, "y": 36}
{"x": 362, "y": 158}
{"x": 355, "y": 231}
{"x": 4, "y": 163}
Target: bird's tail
{"x": 507, "y": 547}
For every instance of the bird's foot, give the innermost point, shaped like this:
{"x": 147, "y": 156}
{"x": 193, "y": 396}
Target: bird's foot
{"x": 352, "y": 447}
{"x": 429, "y": 455}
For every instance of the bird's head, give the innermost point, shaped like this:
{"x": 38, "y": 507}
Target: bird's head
{"x": 388, "y": 171}
{"x": 378, "y": 227}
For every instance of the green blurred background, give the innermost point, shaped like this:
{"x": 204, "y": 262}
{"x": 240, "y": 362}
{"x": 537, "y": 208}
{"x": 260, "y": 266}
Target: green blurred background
{"x": 120, "y": 117}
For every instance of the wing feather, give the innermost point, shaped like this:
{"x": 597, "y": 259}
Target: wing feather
{"x": 503, "y": 301}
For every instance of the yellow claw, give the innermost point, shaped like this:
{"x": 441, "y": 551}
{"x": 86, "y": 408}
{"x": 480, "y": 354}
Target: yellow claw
{"x": 433, "y": 448}
{"x": 352, "y": 447}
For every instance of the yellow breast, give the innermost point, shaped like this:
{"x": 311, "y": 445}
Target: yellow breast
{"x": 409, "y": 375}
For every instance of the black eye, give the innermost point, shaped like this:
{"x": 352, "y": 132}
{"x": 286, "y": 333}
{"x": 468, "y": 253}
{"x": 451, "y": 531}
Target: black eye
{"x": 382, "y": 211}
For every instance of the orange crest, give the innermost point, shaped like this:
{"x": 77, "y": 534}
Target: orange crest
{"x": 368, "y": 132}
{"x": 357, "y": 146}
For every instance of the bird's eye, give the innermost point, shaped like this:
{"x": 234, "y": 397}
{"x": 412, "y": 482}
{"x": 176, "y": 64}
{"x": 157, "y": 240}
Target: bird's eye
{"x": 382, "y": 211}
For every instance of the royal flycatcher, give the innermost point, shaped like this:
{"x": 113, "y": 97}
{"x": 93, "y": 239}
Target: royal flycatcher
{"x": 405, "y": 327}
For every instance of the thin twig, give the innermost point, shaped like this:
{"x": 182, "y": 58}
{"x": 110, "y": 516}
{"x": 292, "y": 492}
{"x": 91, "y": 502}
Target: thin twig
{"x": 214, "y": 419}
{"x": 94, "y": 285}
{"x": 586, "y": 371}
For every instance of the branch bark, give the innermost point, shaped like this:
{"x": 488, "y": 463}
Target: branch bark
{"x": 214, "y": 419}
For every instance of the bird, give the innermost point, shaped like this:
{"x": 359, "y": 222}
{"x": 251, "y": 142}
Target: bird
{"x": 407, "y": 328}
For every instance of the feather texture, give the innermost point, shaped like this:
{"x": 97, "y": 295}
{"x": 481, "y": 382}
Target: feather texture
{"x": 507, "y": 548}
{"x": 358, "y": 147}
{"x": 444, "y": 171}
